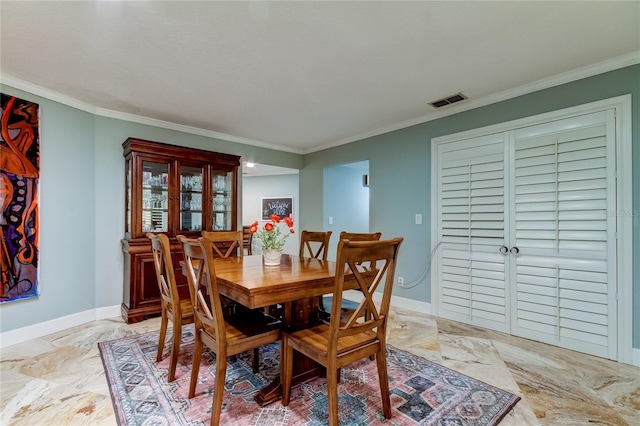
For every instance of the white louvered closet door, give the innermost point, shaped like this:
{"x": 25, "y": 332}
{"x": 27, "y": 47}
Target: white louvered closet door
{"x": 526, "y": 232}
{"x": 565, "y": 271}
{"x": 471, "y": 218}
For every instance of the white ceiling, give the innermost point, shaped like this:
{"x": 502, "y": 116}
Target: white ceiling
{"x": 302, "y": 76}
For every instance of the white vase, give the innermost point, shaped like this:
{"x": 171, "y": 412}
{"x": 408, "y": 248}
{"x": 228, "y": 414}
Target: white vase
{"x": 271, "y": 257}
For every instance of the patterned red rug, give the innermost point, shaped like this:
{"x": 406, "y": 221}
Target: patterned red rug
{"x": 422, "y": 392}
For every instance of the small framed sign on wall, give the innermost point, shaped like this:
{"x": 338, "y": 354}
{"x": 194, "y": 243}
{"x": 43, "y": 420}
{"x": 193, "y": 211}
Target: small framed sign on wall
{"x": 281, "y": 206}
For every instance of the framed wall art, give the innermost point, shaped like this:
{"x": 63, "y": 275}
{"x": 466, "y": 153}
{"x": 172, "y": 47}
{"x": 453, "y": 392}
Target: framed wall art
{"x": 281, "y": 206}
{"x": 19, "y": 177}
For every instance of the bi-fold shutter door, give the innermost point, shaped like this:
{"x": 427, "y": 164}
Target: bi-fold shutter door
{"x": 564, "y": 193}
{"x": 471, "y": 227}
{"x": 527, "y": 241}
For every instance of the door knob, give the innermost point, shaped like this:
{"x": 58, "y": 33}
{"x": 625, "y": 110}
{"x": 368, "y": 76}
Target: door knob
{"x": 514, "y": 250}
{"x": 504, "y": 250}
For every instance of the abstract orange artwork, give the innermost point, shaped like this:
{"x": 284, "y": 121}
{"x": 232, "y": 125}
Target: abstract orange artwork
{"x": 19, "y": 175}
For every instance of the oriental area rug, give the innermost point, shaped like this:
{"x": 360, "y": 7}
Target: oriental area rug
{"x": 422, "y": 392}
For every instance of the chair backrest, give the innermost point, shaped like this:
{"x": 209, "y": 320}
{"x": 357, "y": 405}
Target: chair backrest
{"x": 314, "y": 244}
{"x": 201, "y": 275}
{"x": 357, "y": 236}
{"x": 361, "y": 236}
{"x": 165, "y": 274}
{"x": 226, "y": 243}
{"x": 247, "y": 238}
{"x": 366, "y": 317}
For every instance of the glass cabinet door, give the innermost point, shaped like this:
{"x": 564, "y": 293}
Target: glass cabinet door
{"x": 155, "y": 197}
{"x": 191, "y": 198}
{"x": 223, "y": 200}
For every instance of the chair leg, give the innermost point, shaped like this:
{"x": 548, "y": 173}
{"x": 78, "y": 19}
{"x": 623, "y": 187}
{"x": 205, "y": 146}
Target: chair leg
{"x": 218, "y": 389}
{"x": 332, "y": 396}
{"x": 163, "y": 335}
{"x": 195, "y": 368}
{"x": 255, "y": 360}
{"x": 286, "y": 356}
{"x": 381, "y": 360}
{"x": 175, "y": 350}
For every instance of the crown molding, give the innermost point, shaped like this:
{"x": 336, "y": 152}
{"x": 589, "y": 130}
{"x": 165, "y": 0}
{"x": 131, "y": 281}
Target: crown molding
{"x": 563, "y": 78}
{"x": 52, "y": 95}
{"x": 192, "y": 130}
{"x": 557, "y": 80}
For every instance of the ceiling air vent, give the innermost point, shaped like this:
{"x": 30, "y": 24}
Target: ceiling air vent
{"x": 448, "y": 101}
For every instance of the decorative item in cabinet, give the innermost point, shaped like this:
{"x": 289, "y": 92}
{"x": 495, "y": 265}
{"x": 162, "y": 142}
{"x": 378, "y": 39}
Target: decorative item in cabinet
{"x": 173, "y": 190}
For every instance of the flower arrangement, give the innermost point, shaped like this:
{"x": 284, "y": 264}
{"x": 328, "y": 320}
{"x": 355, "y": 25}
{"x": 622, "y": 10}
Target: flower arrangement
{"x": 272, "y": 236}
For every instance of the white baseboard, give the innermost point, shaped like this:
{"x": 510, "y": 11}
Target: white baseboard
{"x": 20, "y": 335}
{"x": 108, "y": 312}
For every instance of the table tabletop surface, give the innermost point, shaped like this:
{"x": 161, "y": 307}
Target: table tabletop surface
{"x": 246, "y": 280}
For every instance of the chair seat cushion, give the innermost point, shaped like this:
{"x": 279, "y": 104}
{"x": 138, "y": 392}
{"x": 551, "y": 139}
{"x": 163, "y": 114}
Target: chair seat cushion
{"x": 347, "y": 305}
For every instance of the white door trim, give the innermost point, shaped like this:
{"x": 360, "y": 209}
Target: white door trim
{"x": 624, "y": 212}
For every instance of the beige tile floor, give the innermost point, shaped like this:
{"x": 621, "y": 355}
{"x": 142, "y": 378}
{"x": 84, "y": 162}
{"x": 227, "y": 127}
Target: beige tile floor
{"x": 59, "y": 379}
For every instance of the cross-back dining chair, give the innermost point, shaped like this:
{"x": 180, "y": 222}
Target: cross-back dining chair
{"x": 315, "y": 244}
{"x": 345, "y": 340}
{"x": 347, "y": 305}
{"x": 226, "y": 243}
{"x": 225, "y": 336}
{"x": 173, "y": 308}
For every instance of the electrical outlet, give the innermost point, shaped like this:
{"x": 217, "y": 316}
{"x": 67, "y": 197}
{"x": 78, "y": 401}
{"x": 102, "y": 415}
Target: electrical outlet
{"x": 401, "y": 281}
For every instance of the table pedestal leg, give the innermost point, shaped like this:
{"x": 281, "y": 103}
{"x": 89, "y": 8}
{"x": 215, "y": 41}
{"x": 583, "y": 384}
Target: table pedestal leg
{"x": 295, "y": 316}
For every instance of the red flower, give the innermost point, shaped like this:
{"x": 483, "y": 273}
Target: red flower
{"x": 253, "y": 228}
{"x": 288, "y": 221}
{"x": 275, "y": 218}
{"x": 268, "y": 226}
{"x": 293, "y": 231}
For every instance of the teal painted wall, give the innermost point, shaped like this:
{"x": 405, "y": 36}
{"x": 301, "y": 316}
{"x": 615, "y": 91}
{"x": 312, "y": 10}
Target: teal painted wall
{"x": 400, "y": 163}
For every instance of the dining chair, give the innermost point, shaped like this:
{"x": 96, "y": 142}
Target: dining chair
{"x": 226, "y": 243}
{"x": 347, "y": 304}
{"x": 247, "y": 239}
{"x": 345, "y": 340}
{"x": 224, "y": 335}
{"x": 314, "y": 244}
{"x": 173, "y": 308}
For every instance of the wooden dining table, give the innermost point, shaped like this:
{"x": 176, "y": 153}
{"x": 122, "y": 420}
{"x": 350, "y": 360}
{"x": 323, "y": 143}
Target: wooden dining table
{"x": 297, "y": 284}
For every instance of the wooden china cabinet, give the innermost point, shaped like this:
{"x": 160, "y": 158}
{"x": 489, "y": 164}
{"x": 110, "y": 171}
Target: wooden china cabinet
{"x": 171, "y": 190}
